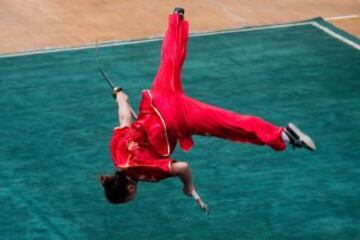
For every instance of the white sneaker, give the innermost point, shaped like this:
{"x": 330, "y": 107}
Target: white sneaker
{"x": 298, "y": 138}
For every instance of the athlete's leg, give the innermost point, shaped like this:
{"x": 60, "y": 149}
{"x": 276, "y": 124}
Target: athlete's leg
{"x": 168, "y": 78}
{"x": 200, "y": 118}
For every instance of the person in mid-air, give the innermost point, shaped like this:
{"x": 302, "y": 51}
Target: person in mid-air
{"x": 141, "y": 149}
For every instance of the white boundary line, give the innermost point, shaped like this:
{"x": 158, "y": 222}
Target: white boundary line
{"x": 159, "y": 38}
{"x": 249, "y": 29}
{"x": 335, "y": 35}
{"x": 342, "y": 17}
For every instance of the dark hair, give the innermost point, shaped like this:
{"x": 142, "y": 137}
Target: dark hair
{"x": 116, "y": 187}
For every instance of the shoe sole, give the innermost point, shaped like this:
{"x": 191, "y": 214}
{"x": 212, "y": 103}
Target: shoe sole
{"x": 305, "y": 139}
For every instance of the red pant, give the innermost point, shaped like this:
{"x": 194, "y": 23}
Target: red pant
{"x": 185, "y": 116}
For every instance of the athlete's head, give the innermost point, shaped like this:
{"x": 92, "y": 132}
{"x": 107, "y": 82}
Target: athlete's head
{"x": 118, "y": 188}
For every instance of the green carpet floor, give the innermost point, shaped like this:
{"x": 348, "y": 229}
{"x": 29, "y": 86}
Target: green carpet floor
{"x": 57, "y": 117}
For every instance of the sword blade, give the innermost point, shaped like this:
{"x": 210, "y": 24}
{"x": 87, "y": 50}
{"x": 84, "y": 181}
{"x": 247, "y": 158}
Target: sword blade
{"x": 105, "y": 77}
{"x": 103, "y": 74}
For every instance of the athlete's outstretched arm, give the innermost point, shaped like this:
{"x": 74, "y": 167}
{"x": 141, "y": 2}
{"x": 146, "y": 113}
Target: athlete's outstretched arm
{"x": 125, "y": 115}
{"x": 183, "y": 171}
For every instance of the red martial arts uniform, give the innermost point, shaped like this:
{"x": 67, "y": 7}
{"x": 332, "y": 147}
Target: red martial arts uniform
{"x": 167, "y": 115}
{"x": 142, "y": 151}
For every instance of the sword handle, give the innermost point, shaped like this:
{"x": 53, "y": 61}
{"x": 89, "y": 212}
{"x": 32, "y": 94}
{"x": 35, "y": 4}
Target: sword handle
{"x": 115, "y": 91}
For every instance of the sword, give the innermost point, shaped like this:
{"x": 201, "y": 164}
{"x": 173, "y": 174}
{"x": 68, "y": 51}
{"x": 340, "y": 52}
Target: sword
{"x": 107, "y": 79}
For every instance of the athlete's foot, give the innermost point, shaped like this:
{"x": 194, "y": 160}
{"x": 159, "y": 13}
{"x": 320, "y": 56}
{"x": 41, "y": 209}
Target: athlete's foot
{"x": 179, "y": 11}
{"x": 298, "y": 138}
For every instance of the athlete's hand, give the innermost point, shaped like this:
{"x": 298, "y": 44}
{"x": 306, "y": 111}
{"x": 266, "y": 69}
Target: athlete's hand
{"x": 199, "y": 201}
{"x": 121, "y": 97}
{"x": 188, "y": 190}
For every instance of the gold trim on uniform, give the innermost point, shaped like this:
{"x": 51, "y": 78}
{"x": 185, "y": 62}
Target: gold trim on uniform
{"x": 163, "y": 123}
